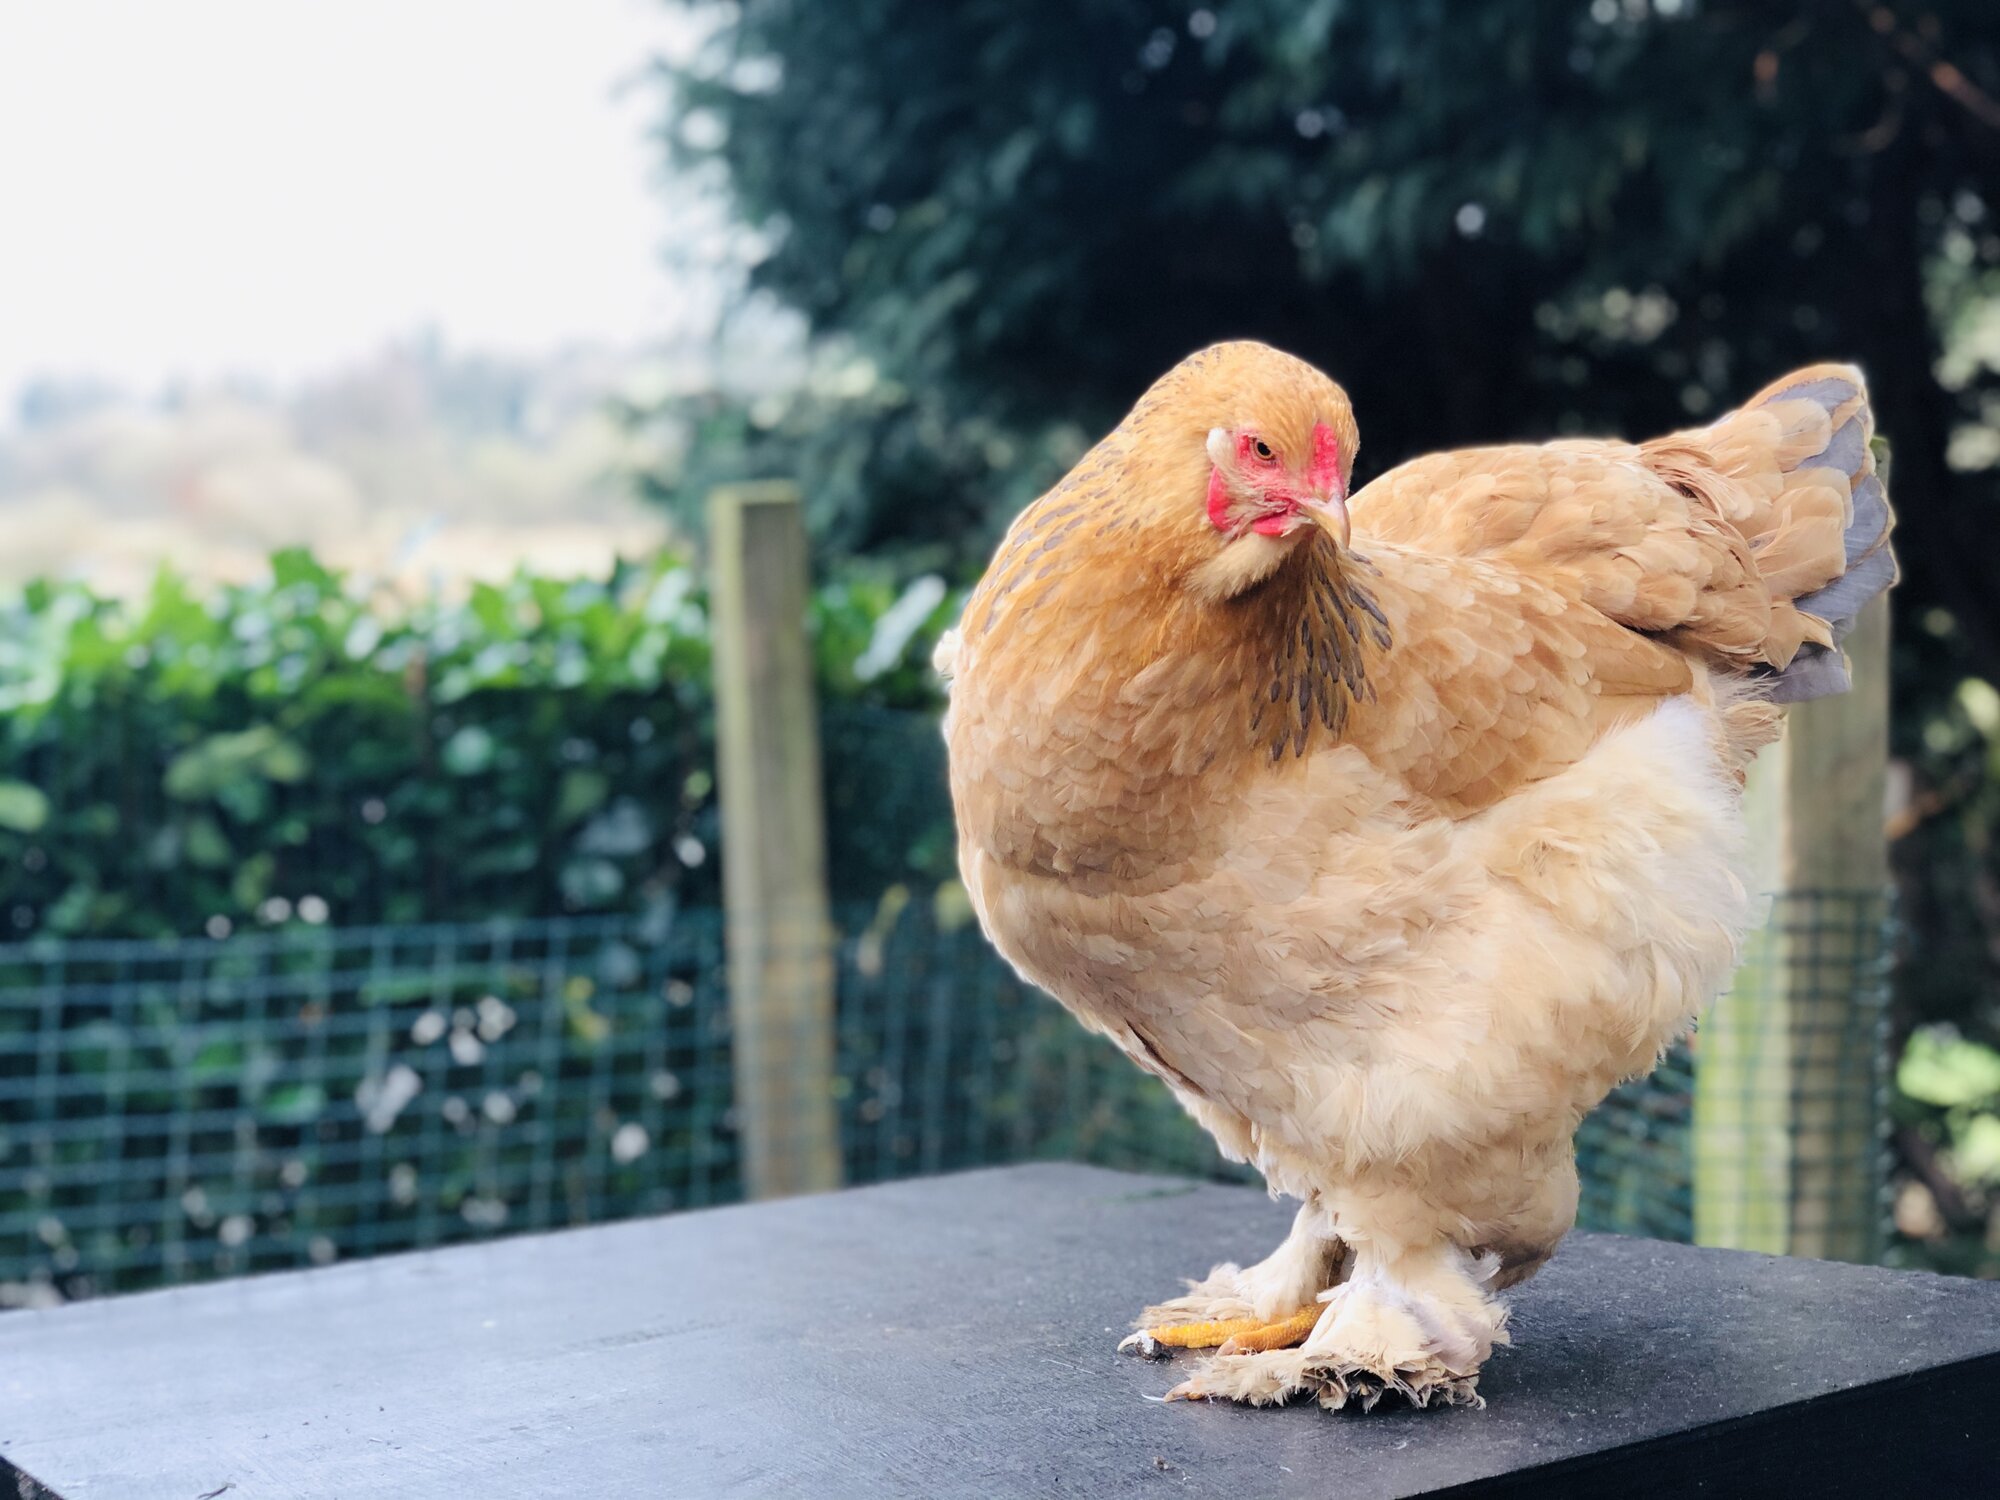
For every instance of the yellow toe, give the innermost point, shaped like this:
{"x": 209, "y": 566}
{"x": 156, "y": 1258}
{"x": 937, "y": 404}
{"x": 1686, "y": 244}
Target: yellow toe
{"x": 1283, "y": 1334}
{"x": 1239, "y": 1335}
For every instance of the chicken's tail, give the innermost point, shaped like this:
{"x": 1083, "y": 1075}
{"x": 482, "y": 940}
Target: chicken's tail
{"x": 1800, "y": 485}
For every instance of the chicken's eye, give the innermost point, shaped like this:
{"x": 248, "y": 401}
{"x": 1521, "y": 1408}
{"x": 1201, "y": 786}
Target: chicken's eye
{"x": 1262, "y": 449}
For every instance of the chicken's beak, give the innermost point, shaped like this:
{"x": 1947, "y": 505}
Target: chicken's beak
{"x": 1329, "y": 513}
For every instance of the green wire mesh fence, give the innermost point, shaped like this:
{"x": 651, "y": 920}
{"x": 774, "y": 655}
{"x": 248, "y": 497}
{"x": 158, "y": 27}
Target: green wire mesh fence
{"x": 1787, "y": 1080}
{"x": 184, "y": 1109}
{"x": 177, "y": 1110}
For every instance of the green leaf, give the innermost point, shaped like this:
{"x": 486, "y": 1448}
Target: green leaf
{"x": 218, "y": 1061}
{"x": 222, "y": 761}
{"x": 586, "y": 1024}
{"x": 591, "y": 883}
{"x": 1975, "y": 1150}
{"x": 285, "y": 761}
{"x": 1946, "y": 1070}
{"x": 580, "y": 793}
{"x": 23, "y": 808}
{"x": 469, "y": 751}
{"x": 252, "y": 882}
{"x": 206, "y": 844}
{"x": 293, "y": 1104}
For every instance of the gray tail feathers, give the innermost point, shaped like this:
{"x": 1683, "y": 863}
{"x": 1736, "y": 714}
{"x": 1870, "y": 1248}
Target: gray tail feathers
{"x": 1858, "y": 461}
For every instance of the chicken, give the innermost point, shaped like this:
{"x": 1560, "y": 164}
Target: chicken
{"x": 1392, "y": 833}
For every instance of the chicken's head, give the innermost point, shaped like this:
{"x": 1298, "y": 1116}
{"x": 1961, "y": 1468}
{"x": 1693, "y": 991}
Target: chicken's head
{"x": 1274, "y": 440}
{"x": 1261, "y": 481}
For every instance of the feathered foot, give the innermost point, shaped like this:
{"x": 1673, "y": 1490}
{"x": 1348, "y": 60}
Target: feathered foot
{"x": 1421, "y": 1327}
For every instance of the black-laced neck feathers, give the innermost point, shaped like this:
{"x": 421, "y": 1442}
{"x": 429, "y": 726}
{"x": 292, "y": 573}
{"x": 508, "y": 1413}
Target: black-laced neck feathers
{"x": 1318, "y": 626}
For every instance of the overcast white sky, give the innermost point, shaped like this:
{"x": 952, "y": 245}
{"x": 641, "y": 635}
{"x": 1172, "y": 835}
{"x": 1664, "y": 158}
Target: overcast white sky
{"x": 192, "y": 187}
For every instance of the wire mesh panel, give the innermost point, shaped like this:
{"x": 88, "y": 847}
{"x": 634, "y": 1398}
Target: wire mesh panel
{"x": 1634, "y": 1159}
{"x": 1789, "y": 1149}
{"x": 177, "y": 1110}
{"x": 170, "y": 1111}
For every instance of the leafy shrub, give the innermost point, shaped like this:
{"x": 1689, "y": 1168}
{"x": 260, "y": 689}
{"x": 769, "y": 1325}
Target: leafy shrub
{"x": 305, "y": 748}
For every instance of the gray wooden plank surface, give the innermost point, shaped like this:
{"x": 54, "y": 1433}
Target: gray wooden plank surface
{"x": 938, "y": 1338}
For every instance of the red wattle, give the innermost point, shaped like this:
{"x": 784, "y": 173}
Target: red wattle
{"x": 1218, "y": 501}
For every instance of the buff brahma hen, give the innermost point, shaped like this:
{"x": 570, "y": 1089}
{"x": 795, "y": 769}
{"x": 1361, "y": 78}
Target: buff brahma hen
{"x": 1393, "y": 832}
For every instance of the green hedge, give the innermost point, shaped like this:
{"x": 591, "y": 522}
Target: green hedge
{"x": 310, "y": 749}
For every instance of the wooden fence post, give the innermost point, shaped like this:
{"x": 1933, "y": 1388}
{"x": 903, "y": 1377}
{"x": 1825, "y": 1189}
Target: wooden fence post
{"x": 780, "y": 935}
{"x": 1788, "y": 1065}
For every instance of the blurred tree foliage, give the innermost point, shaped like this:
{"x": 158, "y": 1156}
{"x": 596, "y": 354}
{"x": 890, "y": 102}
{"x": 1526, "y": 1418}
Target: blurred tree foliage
{"x": 305, "y": 750}
{"x": 1491, "y": 221}
{"x": 1498, "y": 219}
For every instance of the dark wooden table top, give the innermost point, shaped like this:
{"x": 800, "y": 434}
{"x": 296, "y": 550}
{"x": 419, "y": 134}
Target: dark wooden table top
{"x": 956, "y": 1337}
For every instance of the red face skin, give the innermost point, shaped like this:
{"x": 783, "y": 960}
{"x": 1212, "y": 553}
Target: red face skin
{"x": 1280, "y": 492}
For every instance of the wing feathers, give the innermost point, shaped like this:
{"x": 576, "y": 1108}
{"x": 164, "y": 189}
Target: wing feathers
{"x": 1746, "y": 542}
